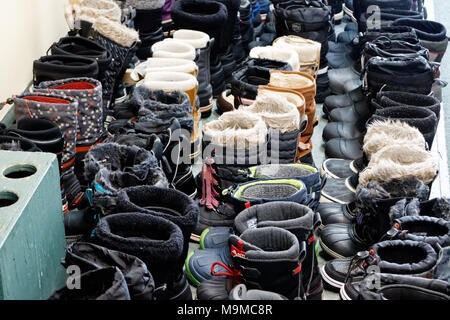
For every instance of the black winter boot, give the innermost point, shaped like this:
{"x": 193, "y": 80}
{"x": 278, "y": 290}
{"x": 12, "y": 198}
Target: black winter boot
{"x": 269, "y": 259}
{"x": 89, "y": 256}
{"x": 209, "y": 17}
{"x": 399, "y": 287}
{"x": 158, "y": 242}
{"x": 83, "y": 47}
{"x": 148, "y": 22}
{"x": 373, "y": 217}
{"x": 299, "y": 220}
{"x": 405, "y": 257}
{"x": 169, "y": 204}
{"x": 55, "y": 67}
{"x": 100, "y": 284}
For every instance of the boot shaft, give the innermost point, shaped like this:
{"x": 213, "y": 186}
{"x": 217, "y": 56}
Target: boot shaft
{"x": 277, "y": 270}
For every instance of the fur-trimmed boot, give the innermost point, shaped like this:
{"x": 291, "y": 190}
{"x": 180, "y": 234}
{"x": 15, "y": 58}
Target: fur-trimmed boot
{"x": 373, "y": 219}
{"x": 110, "y": 167}
{"x": 308, "y": 52}
{"x": 421, "y": 118}
{"x": 157, "y": 241}
{"x": 299, "y": 220}
{"x": 148, "y": 22}
{"x": 122, "y": 42}
{"x": 306, "y": 85}
{"x": 62, "y": 111}
{"x": 90, "y": 129}
{"x": 276, "y": 53}
{"x": 168, "y": 148}
{"x": 100, "y": 284}
{"x": 89, "y": 256}
{"x": 172, "y": 81}
{"x": 203, "y": 44}
{"x": 209, "y": 17}
{"x": 283, "y": 121}
{"x": 397, "y": 161}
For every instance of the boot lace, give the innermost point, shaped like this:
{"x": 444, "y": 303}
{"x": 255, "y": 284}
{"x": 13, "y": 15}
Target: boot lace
{"x": 209, "y": 193}
{"x": 362, "y": 260}
{"x": 233, "y": 273}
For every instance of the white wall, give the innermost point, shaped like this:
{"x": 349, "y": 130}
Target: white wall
{"x": 27, "y": 29}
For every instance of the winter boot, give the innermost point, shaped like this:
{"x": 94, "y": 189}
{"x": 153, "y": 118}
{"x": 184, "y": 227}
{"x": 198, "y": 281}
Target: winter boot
{"x": 83, "y": 47}
{"x": 283, "y": 121}
{"x": 90, "y": 129}
{"x": 89, "y": 256}
{"x": 157, "y": 241}
{"x": 387, "y": 99}
{"x": 308, "y": 52}
{"x": 299, "y": 220}
{"x": 398, "y": 74}
{"x": 269, "y": 259}
{"x": 432, "y": 35}
{"x": 110, "y": 167}
{"x": 275, "y": 53}
{"x": 225, "y": 42}
{"x": 246, "y": 24}
{"x": 172, "y": 48}
{"x": 203, "y": 44}
{"x": 171, "y": 81}
{"x": 169, "y": 204}
{"x": 373, "y": 217}
{"x": 147, "y": 22}
{"x": 400, "y": 160}
{"x": 421, "y": 118}
{"x": 405, "y": 257}
{"x": 209, "y": 17}
{"x": 236, "y": 138}
{"x": 62, "y": 111}
{"x": 13, "y": 143}
{"x": 100, "y": 284}
{"x": 399, "y": 287}
{"x": 306, "y": 85}
{"x": 122, "y": 42}
{"x": 55, "y": 67}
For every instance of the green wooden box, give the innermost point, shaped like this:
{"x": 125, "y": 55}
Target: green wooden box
{"x": 32, "y": 238}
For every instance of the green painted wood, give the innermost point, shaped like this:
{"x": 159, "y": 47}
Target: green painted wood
{"x": 32, "y": 238}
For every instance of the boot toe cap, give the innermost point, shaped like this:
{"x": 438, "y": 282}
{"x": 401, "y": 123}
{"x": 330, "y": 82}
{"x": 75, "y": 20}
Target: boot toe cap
{"x": 331, "y": 213}
{"x": 337, "y": 241}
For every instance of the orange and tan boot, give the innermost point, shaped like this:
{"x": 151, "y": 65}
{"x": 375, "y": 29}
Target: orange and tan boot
{"x": 306, "y": 85}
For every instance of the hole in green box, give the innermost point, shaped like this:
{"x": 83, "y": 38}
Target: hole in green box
{"x": 19, "y": 171}
{"x": 7, "y": 198}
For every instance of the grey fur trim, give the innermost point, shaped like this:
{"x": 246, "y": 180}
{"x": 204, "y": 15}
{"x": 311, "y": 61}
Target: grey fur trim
{"x": 146, "y": 4}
